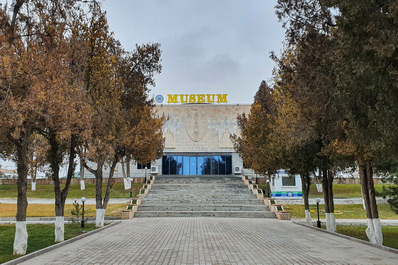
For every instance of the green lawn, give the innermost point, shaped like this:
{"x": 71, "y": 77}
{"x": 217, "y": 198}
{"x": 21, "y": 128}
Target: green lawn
{"x": 342, "y": 211}
{"x": 44, "y": 210}
{"x": 390, "y": 234}
{"x": 339, "y": 190}
{"x": 346, "y": 190}
{"x": 39, "y": 236}
{"x": 47, "y": 191}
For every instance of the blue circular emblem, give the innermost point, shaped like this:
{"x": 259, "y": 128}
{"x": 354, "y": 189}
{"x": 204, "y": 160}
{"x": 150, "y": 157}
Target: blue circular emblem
{"x": 159, "y": 98}
{"x": 289, "y": 194}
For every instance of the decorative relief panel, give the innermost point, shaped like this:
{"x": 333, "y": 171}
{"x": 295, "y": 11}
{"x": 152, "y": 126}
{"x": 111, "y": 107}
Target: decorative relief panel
{"x": 196, "y": 126}
{"x": 225, "y": 140}
{"x": 169, "y": 139}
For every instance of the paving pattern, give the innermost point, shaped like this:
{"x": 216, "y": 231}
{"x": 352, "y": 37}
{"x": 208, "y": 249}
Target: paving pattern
{"x": 203, "y": 240}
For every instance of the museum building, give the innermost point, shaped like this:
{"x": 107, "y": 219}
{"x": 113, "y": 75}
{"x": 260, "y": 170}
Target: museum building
{"x": 197, "y": 143}
{"x": 197, "y": 138}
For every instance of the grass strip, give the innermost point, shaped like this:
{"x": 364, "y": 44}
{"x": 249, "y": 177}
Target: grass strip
{"x": 47, "y": 191}
{"x": 390, "y": 234}
{"x": 39, "y": 236}
{"x": 340, "y": 190}
{"x": 47, "y": 210}
{"x": 342, "y": 211}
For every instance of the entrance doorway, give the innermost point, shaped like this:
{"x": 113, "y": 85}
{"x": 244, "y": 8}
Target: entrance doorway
{"x": 197, "y": 165}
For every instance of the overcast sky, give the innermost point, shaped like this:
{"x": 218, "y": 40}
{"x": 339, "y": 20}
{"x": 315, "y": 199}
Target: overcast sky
{"x": 208, "y": 46}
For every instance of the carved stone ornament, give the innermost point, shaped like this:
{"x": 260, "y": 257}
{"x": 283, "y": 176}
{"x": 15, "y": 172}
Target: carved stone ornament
{"x": 195, "y": 126}
{"x": 225, "y": 140}
{"x": 169, "y": 139}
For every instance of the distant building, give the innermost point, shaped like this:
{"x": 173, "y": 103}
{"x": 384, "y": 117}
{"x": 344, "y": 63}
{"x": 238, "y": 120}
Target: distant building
{"x": 8, "y": 173}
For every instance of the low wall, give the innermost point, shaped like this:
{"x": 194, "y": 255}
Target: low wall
{"x": 74, "y": 181}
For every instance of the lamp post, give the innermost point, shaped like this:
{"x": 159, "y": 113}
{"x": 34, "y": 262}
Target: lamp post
{"x": 83, "y": 199}
{"x": 318, "y": 223}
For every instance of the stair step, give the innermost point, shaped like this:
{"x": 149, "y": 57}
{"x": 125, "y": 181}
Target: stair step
{"x": 203, "y": 208}
{"x": 181, "y": 196}
{"x": 236, "y": 214}
{"x": 175, "y": 201}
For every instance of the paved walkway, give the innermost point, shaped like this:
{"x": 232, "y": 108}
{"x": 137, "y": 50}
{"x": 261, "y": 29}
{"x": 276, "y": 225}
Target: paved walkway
{"x": 213, "y": 241}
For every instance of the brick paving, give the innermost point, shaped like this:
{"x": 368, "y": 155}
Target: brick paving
{"x": 204, "y": 240}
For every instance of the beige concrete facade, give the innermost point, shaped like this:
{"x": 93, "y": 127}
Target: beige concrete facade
{"x": 193, "y": 128}
{"x": 201, "y": 129}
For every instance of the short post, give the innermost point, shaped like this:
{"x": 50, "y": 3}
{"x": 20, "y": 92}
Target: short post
{"x": 83, "y": 199}
{"x": 145, "y": 175}
{"x": 318, "y": 223}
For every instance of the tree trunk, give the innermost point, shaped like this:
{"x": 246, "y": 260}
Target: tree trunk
{"x": 108, "y": 187}
{"x": 126, "y": 181}
{"x": 101, "y": 205}
{"x": 98, "y": 186}
{"x": 82, "y": 184}
{"x": 305, "y": 186}
{"x": 21, "y": 234}
{"x": 128, "y": 166}
{"x": 61, "y": 195}
{"x": 373, "y": 232}
{"x": 123, "y": 168}
{"x": 327, "y": 184}
{"x": 34, "y": 175}
{"x": 318, "y": 180}
{"x": 331, "y": 218}
{"x": 100, "y": 211}
{"x": 98, "y": 196}
{"x": 55, "y": 159}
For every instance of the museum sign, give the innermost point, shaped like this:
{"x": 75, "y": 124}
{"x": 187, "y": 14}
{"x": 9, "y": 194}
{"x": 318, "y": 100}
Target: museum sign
{"x": 193, "y": 98}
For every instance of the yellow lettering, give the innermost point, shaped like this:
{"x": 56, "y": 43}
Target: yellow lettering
{"x": 196, "y": 98}
{"x": 201, "y": 98}
{"x": 222, "y": 98}
{"x": 210, "y": 98}
{"x": 182, "y": 100}
{"x": 172, "y": 98}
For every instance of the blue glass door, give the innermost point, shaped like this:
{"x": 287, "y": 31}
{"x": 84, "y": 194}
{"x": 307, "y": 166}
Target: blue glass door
{"x": 193, "y": 169}
{"x": 197, "y": 165}
{"x": 185, "y": 165}
{"x": 201, "y": 165}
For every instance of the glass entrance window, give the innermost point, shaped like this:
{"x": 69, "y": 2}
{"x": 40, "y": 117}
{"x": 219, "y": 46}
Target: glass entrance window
{"x": 197, "y": 165}
{"x": 185, "y": 165}
{"x": 193, "y": 170}
{"x": 200, "y": 165}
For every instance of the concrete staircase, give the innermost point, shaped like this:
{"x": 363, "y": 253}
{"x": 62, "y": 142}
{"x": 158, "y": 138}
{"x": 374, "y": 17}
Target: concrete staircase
{"x": 184, "y": 196}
